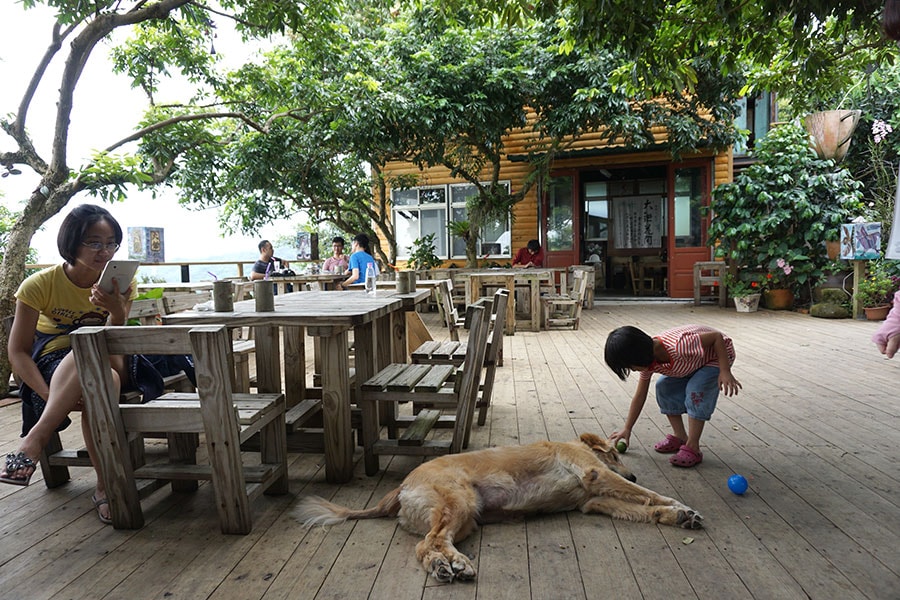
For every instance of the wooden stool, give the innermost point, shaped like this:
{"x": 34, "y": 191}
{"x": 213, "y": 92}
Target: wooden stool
{"x": 709, "y": 274}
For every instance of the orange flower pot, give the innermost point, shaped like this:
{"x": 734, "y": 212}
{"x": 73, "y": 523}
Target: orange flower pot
{"x": 781, "y": 299}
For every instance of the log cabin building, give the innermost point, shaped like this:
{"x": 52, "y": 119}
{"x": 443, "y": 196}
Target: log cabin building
{"x": 606, "y": 205}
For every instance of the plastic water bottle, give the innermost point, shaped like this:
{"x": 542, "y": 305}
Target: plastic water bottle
{"x": 370, "y": 279}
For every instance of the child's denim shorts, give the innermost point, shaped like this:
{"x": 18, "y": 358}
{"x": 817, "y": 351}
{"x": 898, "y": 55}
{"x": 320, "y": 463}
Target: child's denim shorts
{"x": 695, "y": 394}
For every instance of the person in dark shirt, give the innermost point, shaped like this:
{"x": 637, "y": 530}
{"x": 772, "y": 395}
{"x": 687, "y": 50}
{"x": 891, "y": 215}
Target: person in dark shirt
{"x": 266, "y": 262}
{"x": 530, "y": 256}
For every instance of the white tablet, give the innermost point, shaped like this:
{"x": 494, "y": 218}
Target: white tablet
{"x": 122, "y": 271}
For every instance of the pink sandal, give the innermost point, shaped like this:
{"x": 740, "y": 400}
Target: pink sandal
{"x": 669, "y": 445}
{"x": 686, "y": 457}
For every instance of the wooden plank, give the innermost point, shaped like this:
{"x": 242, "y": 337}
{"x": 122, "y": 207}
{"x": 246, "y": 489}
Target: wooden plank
{"x": 407, "y": 379}
{"x": 435, "y": 379}
{"x": 445, "y": 350}
{"x": 421, "y": 426}
{"x": 425, "y": 350}
{"x": 298, "y": 415}
{"x": 383, "y": 377}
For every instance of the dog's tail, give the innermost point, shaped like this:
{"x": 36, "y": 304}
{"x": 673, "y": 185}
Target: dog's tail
{"x": 314, "y": 510}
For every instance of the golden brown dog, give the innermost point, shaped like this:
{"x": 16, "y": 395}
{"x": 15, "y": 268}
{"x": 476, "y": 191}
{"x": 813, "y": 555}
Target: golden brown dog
{"x": 445, "y": 499}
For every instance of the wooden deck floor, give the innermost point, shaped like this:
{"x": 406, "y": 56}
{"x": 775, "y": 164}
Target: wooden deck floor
{"x": 815, "y": 431}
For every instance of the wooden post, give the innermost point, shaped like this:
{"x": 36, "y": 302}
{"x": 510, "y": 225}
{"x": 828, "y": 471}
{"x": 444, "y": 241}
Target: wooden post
{"x": 859, "y": 273}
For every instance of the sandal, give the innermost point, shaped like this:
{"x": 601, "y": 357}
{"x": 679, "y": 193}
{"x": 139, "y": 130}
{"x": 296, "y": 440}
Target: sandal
{"x": 18, "y": 462}
{"x": 97, "y": 505}
{"x": 669, "y": 445}
{"x": 686, "y": 457}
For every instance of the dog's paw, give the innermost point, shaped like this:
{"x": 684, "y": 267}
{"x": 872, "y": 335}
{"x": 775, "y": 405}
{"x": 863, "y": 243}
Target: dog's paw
{"x": 441, "y": 569}
{"x": 689, "y": 519}
{"x": 463, "y": 568}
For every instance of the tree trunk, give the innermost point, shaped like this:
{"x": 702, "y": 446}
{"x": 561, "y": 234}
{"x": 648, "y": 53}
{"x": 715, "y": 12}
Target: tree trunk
{"x": 472, "y": 246}
{"x": 12, "y": 272}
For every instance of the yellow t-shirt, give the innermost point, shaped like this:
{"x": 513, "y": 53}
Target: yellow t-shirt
{"x": 63, "y": 306}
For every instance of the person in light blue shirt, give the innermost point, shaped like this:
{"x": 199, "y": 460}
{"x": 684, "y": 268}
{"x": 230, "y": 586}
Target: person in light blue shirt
{"x": 359, "y": 258}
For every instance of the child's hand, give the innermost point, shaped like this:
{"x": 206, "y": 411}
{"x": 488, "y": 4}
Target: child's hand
{"x": 890, "y": 348}
{"x": 625, "y": 434}
{"x": 728, "y": 385}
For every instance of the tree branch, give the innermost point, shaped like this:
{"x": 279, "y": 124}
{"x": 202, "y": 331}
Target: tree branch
{"x": 185, "y": 118}
{"x": 19, "y": 130}
{"x": 81, "y": 49}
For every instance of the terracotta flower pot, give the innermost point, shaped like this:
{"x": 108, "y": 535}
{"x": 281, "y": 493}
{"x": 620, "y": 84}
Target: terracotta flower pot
{"x": 781, "y": 299}
{"x": 877, "y": 313}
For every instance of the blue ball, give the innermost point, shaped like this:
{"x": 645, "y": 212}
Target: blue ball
{"x": 737, "y": 484}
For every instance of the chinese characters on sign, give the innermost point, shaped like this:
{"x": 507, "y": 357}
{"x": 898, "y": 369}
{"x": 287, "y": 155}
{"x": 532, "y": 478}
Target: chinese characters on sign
{"x": 638, "y": 222}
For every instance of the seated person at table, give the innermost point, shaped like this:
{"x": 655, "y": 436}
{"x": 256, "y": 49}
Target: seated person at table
{"x": 266, "y": 262}
{"x": 359, "y": 258}
{"x": 50, "y": 304}
{"x": 338, "y": 259}
{"x": 529, "y": 256}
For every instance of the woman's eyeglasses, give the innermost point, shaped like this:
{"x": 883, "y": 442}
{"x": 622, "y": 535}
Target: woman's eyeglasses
{"x": 98, "y": 246}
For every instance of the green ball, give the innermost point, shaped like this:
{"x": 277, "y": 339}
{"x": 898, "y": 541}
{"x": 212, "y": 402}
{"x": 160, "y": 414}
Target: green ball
{"x": 621, "y": 446}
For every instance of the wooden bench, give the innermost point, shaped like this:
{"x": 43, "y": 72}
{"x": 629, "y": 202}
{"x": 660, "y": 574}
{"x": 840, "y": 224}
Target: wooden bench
{"x": 225, "y": 419}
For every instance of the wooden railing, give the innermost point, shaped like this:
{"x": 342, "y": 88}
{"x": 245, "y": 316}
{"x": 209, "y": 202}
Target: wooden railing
{"x": 185, "y": 266}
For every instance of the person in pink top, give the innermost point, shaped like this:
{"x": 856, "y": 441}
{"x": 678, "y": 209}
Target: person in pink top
{"x": 694, "y": 362}
{"x": 887, "y": 338}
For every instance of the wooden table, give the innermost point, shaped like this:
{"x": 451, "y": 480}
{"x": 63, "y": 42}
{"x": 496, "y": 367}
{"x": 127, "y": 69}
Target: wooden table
{"x": 510, "y": 278}
{"x": 328, "y": 316}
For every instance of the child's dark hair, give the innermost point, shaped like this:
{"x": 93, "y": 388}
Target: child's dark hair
{"x": 75, "y": 225}
{"x": 534, "y": 245}
{"x": 628, "y": 347}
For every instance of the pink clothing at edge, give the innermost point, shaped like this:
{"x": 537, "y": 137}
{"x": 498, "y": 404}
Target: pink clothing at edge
{"x": 686, "y": 351}
{"x": 890, "y": 327}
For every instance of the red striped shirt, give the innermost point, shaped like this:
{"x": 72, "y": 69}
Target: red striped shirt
{"x": 686, "y": 351}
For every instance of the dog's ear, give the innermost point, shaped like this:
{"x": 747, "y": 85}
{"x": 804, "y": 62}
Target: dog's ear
{"x": 589, "y": 439}
{"x": 595, "y": 442}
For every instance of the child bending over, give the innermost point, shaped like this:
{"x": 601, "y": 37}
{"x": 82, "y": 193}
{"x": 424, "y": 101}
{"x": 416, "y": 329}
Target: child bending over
{"x": 694, "y": 362}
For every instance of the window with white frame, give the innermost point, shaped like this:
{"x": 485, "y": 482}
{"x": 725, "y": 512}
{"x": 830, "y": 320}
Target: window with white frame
{"x": 423, "y": 210}
{"x": 417, "y": 213}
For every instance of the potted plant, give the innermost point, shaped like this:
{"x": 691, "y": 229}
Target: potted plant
{"x": 779, "y": 285}
{"x": 876, "y": 292}
{"x": 421, "y": 254}
{"x": 745, "y": 290}
{"x": 784, "y": 206}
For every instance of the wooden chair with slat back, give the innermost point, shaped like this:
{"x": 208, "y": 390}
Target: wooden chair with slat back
{"x": 454, "y": 353}
{"x": 55, "y": 460}
{"x": 565, "y": 311}
{"x": 451, "y": 316}
{"x": 434, "y": 387}
{"x": 225, "y": 418}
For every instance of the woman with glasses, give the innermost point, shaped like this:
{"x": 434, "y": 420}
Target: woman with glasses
{"x": 49, "y": 305}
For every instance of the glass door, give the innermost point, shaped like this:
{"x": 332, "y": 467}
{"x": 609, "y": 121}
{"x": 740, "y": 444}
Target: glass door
{"x": 561, "y": 221}
{"x": 690, "y": 190}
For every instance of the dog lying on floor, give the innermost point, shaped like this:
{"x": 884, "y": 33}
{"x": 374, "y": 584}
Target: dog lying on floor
{"x": 446, "y": 499}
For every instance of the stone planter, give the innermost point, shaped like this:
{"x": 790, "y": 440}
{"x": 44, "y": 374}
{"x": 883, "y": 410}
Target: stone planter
{"x": 877, "y": 313}
{"x": 782, "y": 299}
{"x": 831, "y": 131}
{"x": 747, "y": 304}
